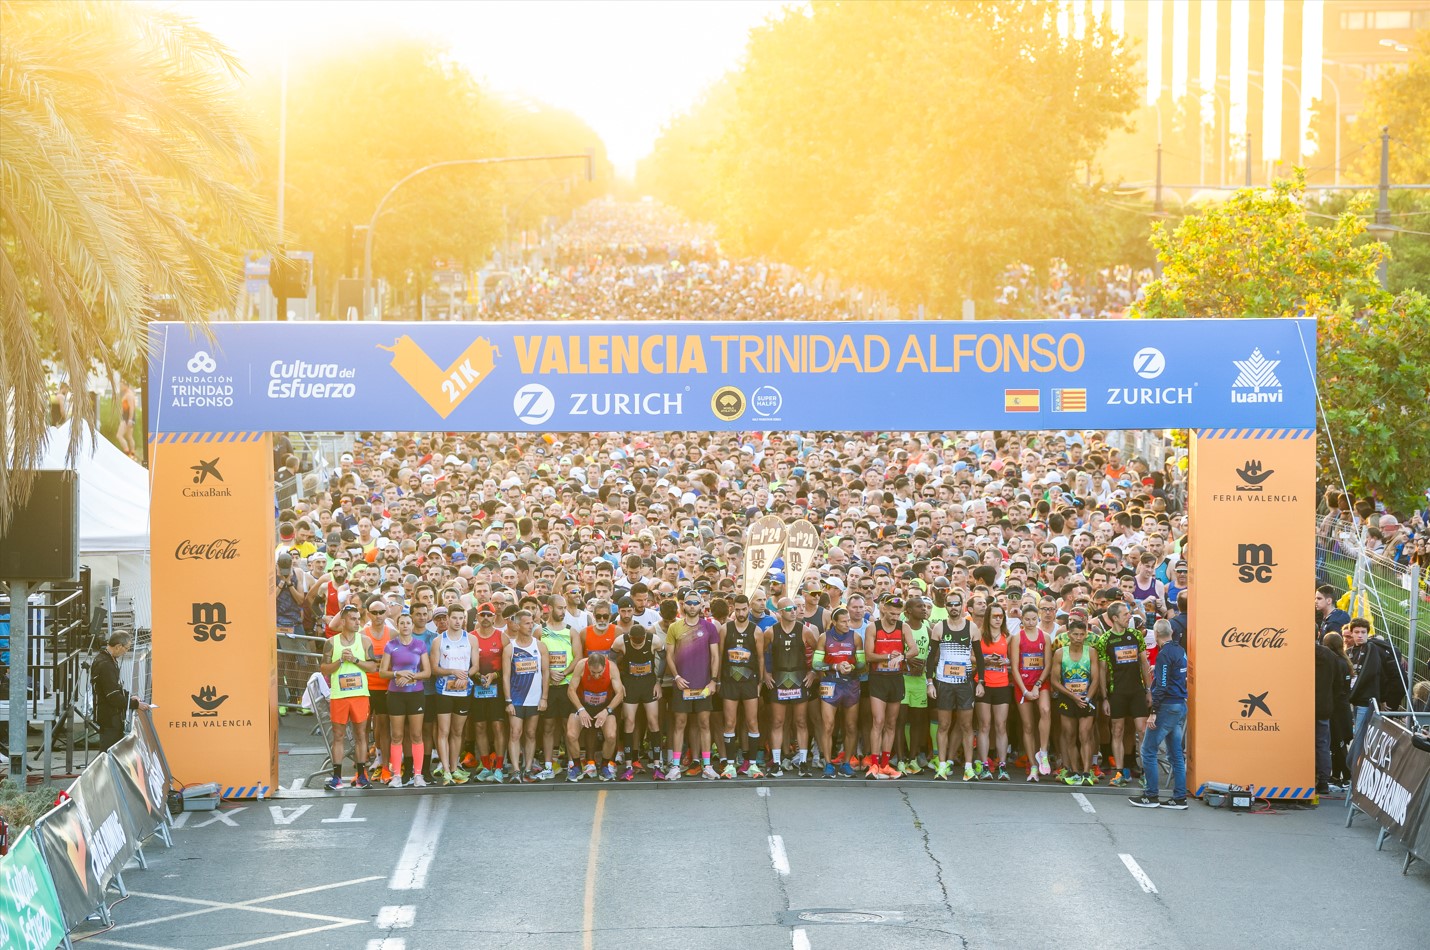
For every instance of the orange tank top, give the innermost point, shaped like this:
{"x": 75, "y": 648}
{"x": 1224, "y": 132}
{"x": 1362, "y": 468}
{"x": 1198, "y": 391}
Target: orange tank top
{"x": 995, "y": 662}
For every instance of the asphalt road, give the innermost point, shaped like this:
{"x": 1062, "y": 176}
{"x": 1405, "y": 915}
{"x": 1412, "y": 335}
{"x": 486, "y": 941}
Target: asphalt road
{"x": 734, "y": 865}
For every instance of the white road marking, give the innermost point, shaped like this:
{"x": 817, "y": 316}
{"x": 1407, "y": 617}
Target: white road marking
{"x": 288, "y": 936}
{"x": 421, "y": 847}
{"x": 778, "y": 858}
{"x": 1143, "y": 880}
{"x": 306, "y": 750}
{"x": 180, "y": 820}
{"x": 1083, "y": 803}
{"x": 345, "y": 816}
{"x": 127, "y": 946}
{"x": 297, "y": 785}
{"x": 280, "y": 816}
{"x": 210, "y": 907}
{"x": 763, "y": 791}
{"x": 222, "y": 816}
{"x": 395, "y": 917}
{"x": 799, "y": 939}
{"x": 387, "y": 943}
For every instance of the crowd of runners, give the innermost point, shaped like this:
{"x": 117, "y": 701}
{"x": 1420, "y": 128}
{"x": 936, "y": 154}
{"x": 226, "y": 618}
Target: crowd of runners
{"x": 521, "y": 608}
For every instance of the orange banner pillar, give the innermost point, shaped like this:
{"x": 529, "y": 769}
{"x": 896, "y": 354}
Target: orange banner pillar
{"x": 1251, "y": 632}
{"x": 212, "y": 584}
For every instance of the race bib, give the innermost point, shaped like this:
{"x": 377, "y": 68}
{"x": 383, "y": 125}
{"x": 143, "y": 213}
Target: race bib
{"x": 558, "y": 659}
{"x": 1078, "y": 689}
{"x": 690, "y": 695}
{"x": 738, "y": 655}
{"x": 525, "y": 664}
{"x": 348, "y": 681}
{"x": 1032, "y": 661}
{"x": 484, "y": 692}
{"x": 448, "y": 686}
{"x": 826, "y": 690}
{"x": 594, "y": 699}
{"x": 1125, "y": 654}
{"x": 642, "y": 669}
{"x": 789, "y": 695}
{"x": 894, "y": 663}
{"x": 955, "y": 671}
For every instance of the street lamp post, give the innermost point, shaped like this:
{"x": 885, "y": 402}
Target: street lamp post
{"x": 369, "y": 306}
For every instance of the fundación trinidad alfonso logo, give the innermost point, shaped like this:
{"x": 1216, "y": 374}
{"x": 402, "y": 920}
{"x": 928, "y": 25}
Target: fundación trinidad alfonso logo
{"x": 443, "y": 389}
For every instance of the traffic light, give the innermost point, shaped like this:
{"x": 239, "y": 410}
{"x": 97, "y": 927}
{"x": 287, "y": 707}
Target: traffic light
{"x": 289, "y": 277}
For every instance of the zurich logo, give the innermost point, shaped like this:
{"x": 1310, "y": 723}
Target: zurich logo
{"x": 533, "y": 404}
{"x": 1149, "y": 362}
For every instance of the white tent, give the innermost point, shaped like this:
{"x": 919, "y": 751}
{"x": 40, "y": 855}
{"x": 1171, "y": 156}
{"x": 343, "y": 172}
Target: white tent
{"x": 113, "y": 515}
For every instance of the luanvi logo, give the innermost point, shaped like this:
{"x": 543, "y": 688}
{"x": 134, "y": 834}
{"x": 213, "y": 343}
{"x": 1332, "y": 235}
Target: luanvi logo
{"x": 208, "y": 701}
{"x": 1255, "y": 715}
{"x": 219, "y": 549}
{"x": 1254, "y": 563}
{"x": 1252, "y": 475}
{"x": 210, "y": 622}
{"x": 1257, "y": 374}
{"x": 443, "y": 389}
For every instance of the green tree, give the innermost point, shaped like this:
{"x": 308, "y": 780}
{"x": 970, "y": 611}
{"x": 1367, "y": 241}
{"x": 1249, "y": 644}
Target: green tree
{"x": 1260, "y": 255}
{"x": 116, "y": 122}
{"x": 1399, "y": 101}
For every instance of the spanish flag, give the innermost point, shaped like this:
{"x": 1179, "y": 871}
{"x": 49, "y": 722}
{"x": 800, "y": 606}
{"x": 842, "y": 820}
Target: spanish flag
{"x": 1020, "y": 400}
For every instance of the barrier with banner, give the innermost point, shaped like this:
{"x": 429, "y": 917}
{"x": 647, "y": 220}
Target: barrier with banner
{"x": 67, "y": 848}
{"x": 1248, "y": 385}
{"x": 29, "y": 909}
{"x": 1391, "y": 782}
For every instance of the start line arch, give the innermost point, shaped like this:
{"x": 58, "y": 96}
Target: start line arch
{"x": 1245, "y": 387}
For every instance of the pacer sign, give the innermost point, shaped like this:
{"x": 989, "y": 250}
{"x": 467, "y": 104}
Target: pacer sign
{"x": 1250, "y": 373}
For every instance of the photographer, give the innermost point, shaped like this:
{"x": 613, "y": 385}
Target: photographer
{"x": 111, "y": 699}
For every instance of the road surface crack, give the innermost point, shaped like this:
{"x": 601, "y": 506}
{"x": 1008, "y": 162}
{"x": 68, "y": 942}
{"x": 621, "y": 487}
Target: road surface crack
{"x": 933, "y": 859}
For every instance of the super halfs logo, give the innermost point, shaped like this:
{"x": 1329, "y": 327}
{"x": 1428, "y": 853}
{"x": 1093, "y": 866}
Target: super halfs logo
{"x": 443, "y": 389}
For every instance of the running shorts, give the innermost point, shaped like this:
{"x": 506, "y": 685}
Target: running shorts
{"x": 996, "y": 696}
{"x": 346, "y": 709}
{"x": 736, "y": 690}
{"x": 1129, "y": 705}
{"x": 953, "y": 696}
{"x": 1067, "y": 707}
{"x": 639, "y": 691}
{"x": 839, "y": 693}
{"x": 405, "y": 704}
{"x": 558, "y": 704}
{"x": 454, "y": 705}
{"x": 680, "y": 704}
{"x": 488, "y": 709}
{"x": 887, "y": 687}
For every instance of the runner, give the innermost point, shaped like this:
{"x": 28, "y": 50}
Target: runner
{"x": 407, "y": 666}
{"x": 637, "y": 651}
{"x": 488, "y": 706}
{"x": 788, "y": 681}
{"x": 992, "y": 692}
{"x": 839, "y": 657}
{"x": 454, "y": 662}
{"x": 596, "y": 693}
{"x": 744, "y": 651}
{"x": 349, "y": 660}
{"x": 1077, "y": 681}
{"x": 1129, "y": 683}
{"x": 378, "y": 631}
{"x": 526, "y": 685}
{"x": 563, "y": 650}
{"x": 692, "y": 657}
{"x": 1032, "y": 648}
{"x": 950, "y": 664}
{"x": 892, "y": 646}
{"x": 913, "y": 729}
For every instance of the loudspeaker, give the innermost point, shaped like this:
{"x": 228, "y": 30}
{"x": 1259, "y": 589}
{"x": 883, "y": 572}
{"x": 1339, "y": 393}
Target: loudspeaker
{"x": 41, "y": 542}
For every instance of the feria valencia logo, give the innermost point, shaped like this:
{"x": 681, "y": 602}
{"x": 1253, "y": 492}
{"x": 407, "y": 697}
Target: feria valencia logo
{"x": 442, "y": 389}
{"x": 219, "y": 549}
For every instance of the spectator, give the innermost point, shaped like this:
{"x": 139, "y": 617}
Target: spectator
{"x": 111, "y": 700}
{"x": 1341, "y": 719}
{"x": 1329, "y": 617}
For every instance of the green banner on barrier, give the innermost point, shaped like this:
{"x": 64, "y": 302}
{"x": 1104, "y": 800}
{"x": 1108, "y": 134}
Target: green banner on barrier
{"x": 29, "y": 909}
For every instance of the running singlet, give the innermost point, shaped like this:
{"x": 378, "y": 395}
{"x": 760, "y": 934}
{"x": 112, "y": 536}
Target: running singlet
{"x": 739, "y": 651}
{"x": 599, "y": 641}
{"x": 788, "y": 662}
{"x": 405, "y": 659}
{"x": 595, "y": 691}
{"x": 375, "y": 683}
{"x": 488, "y": 662}
{"x": 691, "y": 649}
{"x": 348, "y": 680}
{"x": 453, "y": 655}
{"x": 916, "y": 684}
{"x": 558, "y": 648}
{"x": 891, "y": 642}
{"x": 1122, "y": 652}
{"x": 838, "y": 649}
{"x": 1030, "y": 656}
{"x": 954, "y": 660}
{"x": 526, "y": 674}
{"x": 1077, "y": 674}
{"x": 638, "y": 666}
{"x": 1144, "y": 593}
{"x": 995, "y": 662}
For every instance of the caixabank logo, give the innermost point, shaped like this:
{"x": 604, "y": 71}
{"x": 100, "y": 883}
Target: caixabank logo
{"x": 1254, "y": 714}
{"x": 443, "y": 389}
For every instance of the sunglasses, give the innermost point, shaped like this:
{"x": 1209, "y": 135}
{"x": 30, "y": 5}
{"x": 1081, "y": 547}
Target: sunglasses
{"x": 696, "y": 603}
{"x": 785, "y": 609}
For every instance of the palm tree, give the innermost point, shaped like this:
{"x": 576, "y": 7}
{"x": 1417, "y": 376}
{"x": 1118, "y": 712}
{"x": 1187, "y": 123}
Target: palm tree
{"x": 119, "y": 127}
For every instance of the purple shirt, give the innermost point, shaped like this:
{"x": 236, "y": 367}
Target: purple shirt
{"x": 692, "y": 650}
{"x": 405, "y": 659}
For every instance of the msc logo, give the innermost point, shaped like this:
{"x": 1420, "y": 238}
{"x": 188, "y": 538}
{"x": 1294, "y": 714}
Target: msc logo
{"x": 533, "y": 404}
{"x": 201, "y": 362}
{"x": 208, "y": 701}
{"x": 1254, "y": 563}
{"x": 728, "y": 403}
{"x": 210, "y": 622}
{"x": 204, "y": 470}
{"x": 1149, "y": 362}
{"x": 443, "y": 389}
{"x": 1252, "y": 476}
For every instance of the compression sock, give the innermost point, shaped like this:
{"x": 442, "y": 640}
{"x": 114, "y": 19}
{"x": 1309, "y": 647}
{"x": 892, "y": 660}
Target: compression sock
{"x": 394, "y": 758}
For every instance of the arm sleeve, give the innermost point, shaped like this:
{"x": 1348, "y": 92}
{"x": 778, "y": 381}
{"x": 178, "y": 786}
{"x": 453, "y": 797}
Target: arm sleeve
{"x": 931, "y": 660}
{"x": 977, "y": 661}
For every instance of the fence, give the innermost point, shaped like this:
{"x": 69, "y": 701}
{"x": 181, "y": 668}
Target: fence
{"x": 1390, "y": 781}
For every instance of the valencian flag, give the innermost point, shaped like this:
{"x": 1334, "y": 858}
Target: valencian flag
{"x": 1020, "y": 400}
{"x": 1069, "y": 400}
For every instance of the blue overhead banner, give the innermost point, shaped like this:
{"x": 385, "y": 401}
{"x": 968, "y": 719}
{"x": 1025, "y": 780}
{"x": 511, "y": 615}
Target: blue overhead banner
{"x": 598, "y": 376}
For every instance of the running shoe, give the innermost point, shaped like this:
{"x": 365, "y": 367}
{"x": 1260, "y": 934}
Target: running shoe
{"x": 485, "y": 775}
{"x": 395, "y": 781}
{"x": 1071, "y": 778}
{"x": 657, "y": 772}
{"x": 460, "y": 775}
{"x": 673, "y": 775}
{"x": 1003, "y": 773}
{"x": 986, "y": 775}
{"x": 803, "y": 769}
{"x": 418, "y": 781}
{"x": 846, "y": 770}
{"x": 1119, "y": 780}
{"x": 743, "y": 768}
{"x": 282, "y": 711}
{"x": 838, "y": 760}
{"x": 573, "y": 774}
{"x": 910, "y": 767}
{"x": 384, "y": 775}
{"x": 923, "y": 761}
{"x": 1144, "y": 801}
{"x": 1090, "y": 778}
{"x": 608, "y": 772}
{"x": 869, "y": 762}
{"x": 968, "y": 774}
{"x": 468, "y": 760}
{"x": 729, "y": 771}
{"x": 891, "y": 772}
{"x": 1044, "y": 767}
{"x": 778, "y": 771}
{"x": 545, "y": 775}
{"x": 589, "y": 771}
{"x": 304, "y": 711}
{"x": 977, "y": 766}
{"x": 362, "y": 780}
{"x": 629, "y": 775}
{"x": 829, "y": 770}
{"x": 1176, "y": 804}
{"x": 497, "y": 777}
{"x": 709, "y": 774}
{"x": 754, "y": 771}
{"x": 694, "y": 769}
{"x": 1033, "y": 776}
{"x": 334, "y": 783}
{"x": 940, "y": 772}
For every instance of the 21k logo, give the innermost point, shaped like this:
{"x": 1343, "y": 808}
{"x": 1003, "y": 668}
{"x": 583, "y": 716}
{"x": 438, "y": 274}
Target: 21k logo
{"x": 443, "y": 389}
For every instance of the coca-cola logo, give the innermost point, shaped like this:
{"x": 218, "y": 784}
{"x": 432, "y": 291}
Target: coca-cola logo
{"x": 1267, "y": 638}
{"x": 219, "y": 549}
